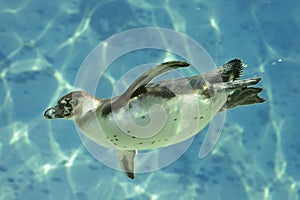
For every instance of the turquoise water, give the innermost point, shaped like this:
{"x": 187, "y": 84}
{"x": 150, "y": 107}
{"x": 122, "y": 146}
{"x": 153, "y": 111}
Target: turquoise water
{"x": 42, "y": 45}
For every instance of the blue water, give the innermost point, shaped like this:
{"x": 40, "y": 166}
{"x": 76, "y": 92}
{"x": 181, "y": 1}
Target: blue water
{"x": 42, "y": 45}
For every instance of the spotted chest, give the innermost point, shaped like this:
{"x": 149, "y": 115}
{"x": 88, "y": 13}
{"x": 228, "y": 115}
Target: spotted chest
{"x": 154, "y": 122}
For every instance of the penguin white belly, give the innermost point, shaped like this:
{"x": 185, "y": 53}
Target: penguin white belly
{"x": 154, "y": 122}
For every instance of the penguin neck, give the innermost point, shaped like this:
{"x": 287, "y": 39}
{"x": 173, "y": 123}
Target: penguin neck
{"x": 87, "y": 109}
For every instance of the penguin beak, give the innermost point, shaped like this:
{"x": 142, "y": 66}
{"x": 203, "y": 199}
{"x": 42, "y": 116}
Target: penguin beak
{"x": 54, "y": 112}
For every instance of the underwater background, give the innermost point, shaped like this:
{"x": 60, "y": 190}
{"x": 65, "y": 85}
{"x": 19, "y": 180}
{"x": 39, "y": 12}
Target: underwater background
{"x": 42, "y": 45}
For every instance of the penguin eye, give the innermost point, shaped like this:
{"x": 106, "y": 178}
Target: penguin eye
{"x": 73, "y": 102}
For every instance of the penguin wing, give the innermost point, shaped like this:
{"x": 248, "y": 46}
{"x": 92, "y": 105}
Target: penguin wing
{"x": 126, "y": 159}
{"x": 138, "y": 86}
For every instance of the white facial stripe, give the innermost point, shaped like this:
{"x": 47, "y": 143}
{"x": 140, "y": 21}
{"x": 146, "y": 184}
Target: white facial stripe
{"x": 68, "y": 109}
{"x": 63, "y": 101}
